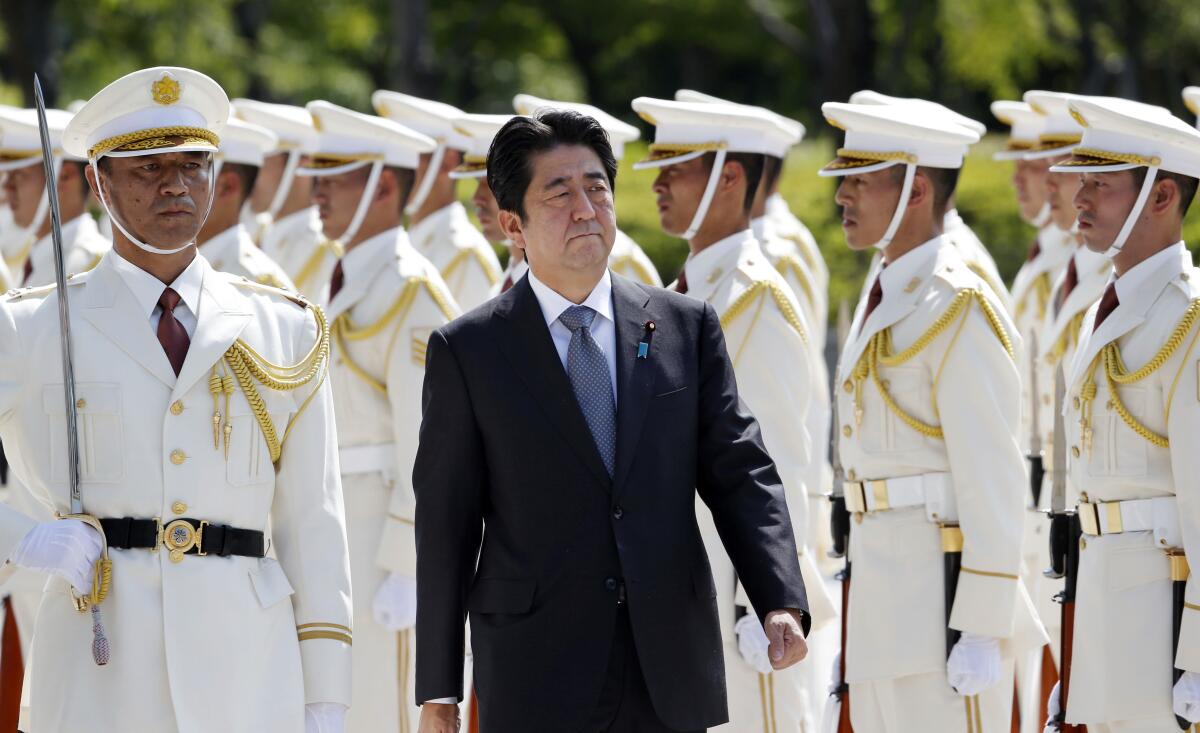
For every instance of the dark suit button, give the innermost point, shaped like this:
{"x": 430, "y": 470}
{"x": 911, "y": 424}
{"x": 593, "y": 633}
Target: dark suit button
{"x": 618, "y": 512}
{"x": 610, "y": 583}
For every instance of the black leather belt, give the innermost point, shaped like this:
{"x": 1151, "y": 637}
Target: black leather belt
{"x": 183, "y": 537}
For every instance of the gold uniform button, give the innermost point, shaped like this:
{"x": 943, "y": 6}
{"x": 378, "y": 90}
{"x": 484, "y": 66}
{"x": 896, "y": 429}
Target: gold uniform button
{"x": 80, "y": 403}
{"x": 1074, "y": 451}
{"x": 176, "y": 408}
{"x": 852, "y": 476}
{"x": 179, "y": 507}
{"x": 846, "y": 431}
{"x": 1046, "y": 399}
{"x": 178, "y": 457}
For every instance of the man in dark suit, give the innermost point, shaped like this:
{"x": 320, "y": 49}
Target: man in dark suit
{"x": 560, "y": 512}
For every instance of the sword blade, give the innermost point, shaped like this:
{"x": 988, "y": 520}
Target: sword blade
{"x": 64, "y": 309}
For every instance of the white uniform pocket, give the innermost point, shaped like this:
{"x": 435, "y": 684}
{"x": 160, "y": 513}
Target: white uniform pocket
{"x": 101, "y": 440}
{"x": 249, "y": 456}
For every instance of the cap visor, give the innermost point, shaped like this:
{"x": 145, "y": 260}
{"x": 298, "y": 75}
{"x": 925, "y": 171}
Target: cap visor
{"x": 843, "y": 166}
{"x": 664, "y": 158}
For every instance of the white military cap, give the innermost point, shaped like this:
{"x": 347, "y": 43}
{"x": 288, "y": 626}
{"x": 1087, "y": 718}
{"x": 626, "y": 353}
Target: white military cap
{"x": 349, "y": 140}
{"x": 20, "y": 140}
{"x": 1191, "y": 98}
{"x": 878, "y": 137}
{"x": 479, "y": 131}
{"x": 687, "y": 130}
{"x": 292, "y": 125}
{"x": 868, "y": 96}
{"x": 619, "y": 133}
{"x": 1060, "y": 131}
{"x": 1025, "y": 123}
{"x": 246, "y": 143}
{"x": 795, "y": 126}
{"x": 157, "y": 110}
{"x": 426, "y": 116}
{"x": 1121, "y": 135}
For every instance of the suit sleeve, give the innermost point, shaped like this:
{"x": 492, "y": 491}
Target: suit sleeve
{"x": 405, "y": 372}
{"x": 977, "y": 390}
{"x": 738, "y": 481}
{"x": 14, "y": 525}
{"x": 308, "y": 525}
{"x": 1183, "y": 426}
{"x": 449, "y": 478}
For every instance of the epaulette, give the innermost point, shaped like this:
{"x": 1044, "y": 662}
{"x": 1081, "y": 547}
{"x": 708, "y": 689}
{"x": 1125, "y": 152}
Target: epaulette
{"x": 465, "y": 253}
{"x": 271, "y": 288}
{"x": 761, "y": 289}
{"x": 18, "y": 294}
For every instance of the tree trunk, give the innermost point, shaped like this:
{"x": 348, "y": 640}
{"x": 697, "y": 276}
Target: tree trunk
{"x": 30, "y": 34}
{"x": 410, "y": 68}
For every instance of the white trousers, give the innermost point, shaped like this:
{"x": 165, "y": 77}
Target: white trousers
{"x": 925, "y": 703}
{"x": 765, "y": 703}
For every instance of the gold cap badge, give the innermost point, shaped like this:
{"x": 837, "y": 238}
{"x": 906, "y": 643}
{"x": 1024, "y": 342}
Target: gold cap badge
{"x": 165, "y": 91}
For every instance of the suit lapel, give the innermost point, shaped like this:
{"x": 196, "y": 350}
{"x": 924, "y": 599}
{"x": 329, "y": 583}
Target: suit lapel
{"x": 224, "y": 314}
{"x": 635, "y": 377}
{"x": 526, "y": 342}
{"x": 112, "y": 310}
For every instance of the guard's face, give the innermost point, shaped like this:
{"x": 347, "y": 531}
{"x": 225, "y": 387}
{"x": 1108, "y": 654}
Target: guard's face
{"x": 337, "y": 199}
{"x": 162, "y": 199}
{"x": 1104, "y": 201}
{"x": 487, "y": 211}
{"x": 1029, "y": 181}
{"x": 868, "y": 201}
{"x": 1060, "y": 192}
{"x": 677, "y": 192}
{"x": 24, "y": 187}
{"x": 270, "y": 173}
{"x": 570, "y": 221}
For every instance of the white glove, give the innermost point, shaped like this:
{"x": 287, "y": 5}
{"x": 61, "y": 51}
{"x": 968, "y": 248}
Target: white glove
{"x": 1187, "y": 697}
{"x": 974, "y": 664}
{"x": 1053, "y": 708}
{"x": 395, "y": 603}
{"x": 753, "y": 643}
{"x": 67, "y": 548}
{"x": 324, "y": 717}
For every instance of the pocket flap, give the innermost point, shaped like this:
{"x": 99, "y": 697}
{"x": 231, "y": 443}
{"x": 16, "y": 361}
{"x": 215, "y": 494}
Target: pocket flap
{"x": 500, "y": 595}
{"x": 270, "y": 582}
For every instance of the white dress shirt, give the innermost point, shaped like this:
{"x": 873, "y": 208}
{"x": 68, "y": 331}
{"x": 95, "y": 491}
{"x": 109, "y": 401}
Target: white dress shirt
{"x": 147, "y": 289}
{"x": 603, "y": 330}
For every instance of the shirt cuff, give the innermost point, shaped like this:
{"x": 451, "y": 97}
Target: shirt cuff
{"x": 442, "y": 701}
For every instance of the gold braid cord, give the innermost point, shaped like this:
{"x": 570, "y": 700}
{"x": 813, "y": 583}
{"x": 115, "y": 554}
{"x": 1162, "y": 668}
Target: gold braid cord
{"x": 644, "y": 276}
{"x": 1116, "y": 374}
{"x": 879, "y": 353}
{"x": 1068, "y": 337}
{"x": 996, "y": 287}
{"x": 344, "y": 330}
{"x": 249, "y": 367}
{"x": 1040, "y": 288}
{"x": 750, "y": 294}
{"x": 309, "y": 268}
{"x": 789, "y": 263}
{"x": 462, "y": 256}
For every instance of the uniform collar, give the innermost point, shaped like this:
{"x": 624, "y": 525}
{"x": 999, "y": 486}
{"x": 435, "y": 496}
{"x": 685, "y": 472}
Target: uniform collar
{"x": 915, "y": 265}
{"x": 553, "y": 304}
{"x": 423, "y": 233}
{"x": 147, "y": 289}
{"x": 1141, "y": 286}
{"x": 366, "y": 256}
{"x": 776, "y": 206}
{"x": 706, "y": 268}
{"x": 225, "y": 248}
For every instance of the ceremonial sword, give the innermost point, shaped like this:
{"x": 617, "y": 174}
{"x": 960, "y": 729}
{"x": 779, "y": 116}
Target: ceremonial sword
{"x": 102, "y": 573}
{"x": 839, "y": 525}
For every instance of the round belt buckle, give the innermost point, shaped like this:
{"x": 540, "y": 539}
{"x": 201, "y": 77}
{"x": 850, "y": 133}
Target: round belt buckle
{"x": 179, "y": 537}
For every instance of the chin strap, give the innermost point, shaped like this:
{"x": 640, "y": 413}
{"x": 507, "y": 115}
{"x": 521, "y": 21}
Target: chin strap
{"x": 285, "y": 182}
{"x": 427, "y": 181}
{"x": 1119, "y": 243}
{"x": 910, "y": 171}
{"x": 706, "y": 200}
{"x": 43, "y": 209}
{"x": 364, "y": 204}
{"x": 116, "y": 221}
{"x": 1042, "y": 218}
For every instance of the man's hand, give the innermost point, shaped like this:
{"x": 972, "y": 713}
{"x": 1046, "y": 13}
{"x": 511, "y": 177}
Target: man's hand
{"x": 786, "y": 635}
{"x": 438, "y": 718}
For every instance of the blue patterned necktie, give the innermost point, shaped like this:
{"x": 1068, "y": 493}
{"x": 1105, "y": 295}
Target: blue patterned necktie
{"x": 587, "y": 369}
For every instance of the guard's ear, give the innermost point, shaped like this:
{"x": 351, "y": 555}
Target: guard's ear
{"x": 1164, "y": 198}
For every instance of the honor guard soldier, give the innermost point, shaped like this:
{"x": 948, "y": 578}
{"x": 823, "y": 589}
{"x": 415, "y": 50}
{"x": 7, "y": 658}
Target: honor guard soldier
{"x": 1131, "y": 418}
{"x": 479, "y": 130}
{"x": 206, "y": 453}
{"x": 385, "y": 299}
{"x": 25, "y": 191}
{"x": 293, "y": 237}
{"x": 927, "y": 402}
{"x": 438, "y": 224}
{"x": 225, "y": 241}
{"x": 626, "y": 257}
{"x": 709, "y": 157}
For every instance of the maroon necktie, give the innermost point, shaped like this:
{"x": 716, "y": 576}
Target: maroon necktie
{"x": 1069, "y": 283}
{"x": 336, "y": 282}
{"x": 1035, "y": 249}
{"x": 1108, "y": 304}
{"x": 508, "y": 283}
{"x": 875, "y": 297}
{"x": 25, "y": 273}
{"x": 681, "y": 283}
{"x": 171, "y": 333}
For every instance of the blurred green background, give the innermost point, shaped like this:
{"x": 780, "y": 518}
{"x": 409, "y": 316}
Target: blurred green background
{"x": 789, "y": 55}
